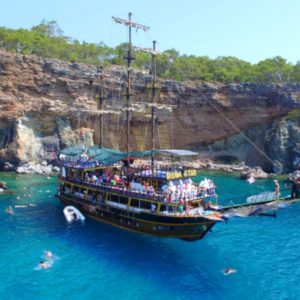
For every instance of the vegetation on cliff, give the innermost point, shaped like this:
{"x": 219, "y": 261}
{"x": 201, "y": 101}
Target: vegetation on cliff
{"x": 48, "y": 40}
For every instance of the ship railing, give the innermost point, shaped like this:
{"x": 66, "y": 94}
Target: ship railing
{"x": 170, "y": 209}
{"x": 119, "y": 189}
{"x": 82, "y": 198}
{"x": 200, "y": 194}
{"x": 246, "y": 200}
{"x": 206, "y": 192}
{"x": 169, "y": 173}
{"x": 82, "y": 164}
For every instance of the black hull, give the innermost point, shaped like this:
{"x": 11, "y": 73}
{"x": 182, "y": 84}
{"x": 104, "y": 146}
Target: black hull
{"x": 186, "y": 228}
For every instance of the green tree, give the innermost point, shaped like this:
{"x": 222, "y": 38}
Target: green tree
{"x": 48, "y": 29}
{"x": 48, "y": 40}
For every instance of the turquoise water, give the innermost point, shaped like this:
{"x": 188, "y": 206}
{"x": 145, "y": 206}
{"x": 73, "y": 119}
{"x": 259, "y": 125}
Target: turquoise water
{"x": 97, "y": 261}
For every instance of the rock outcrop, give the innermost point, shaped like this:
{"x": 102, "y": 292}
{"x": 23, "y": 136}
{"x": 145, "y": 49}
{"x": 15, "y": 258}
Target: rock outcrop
{"x": 38, "y": 168}
{"x": 47, "y": 104}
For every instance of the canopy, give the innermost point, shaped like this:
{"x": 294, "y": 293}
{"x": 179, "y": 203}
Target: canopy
{"x": 72, "y": 151}
{"x": 110, "y": 156}
{"x": 105, "y": 155}
{"x": 177, "y": 152}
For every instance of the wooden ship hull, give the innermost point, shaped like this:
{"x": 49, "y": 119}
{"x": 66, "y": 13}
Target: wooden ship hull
{"x": 189, "y": 229}
{"x": 115, "y": 208}
{"x": 134, "y": 211}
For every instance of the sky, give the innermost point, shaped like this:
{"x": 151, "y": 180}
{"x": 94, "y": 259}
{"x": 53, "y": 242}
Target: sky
{"x": 252, "y": 30}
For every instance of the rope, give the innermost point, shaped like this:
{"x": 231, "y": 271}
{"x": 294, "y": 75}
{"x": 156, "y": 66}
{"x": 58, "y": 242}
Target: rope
{"x": 118, "y": 126}
{"x": 117, "y": 132}
{"x": 172, "y": 142}
{"x": 238, "y": 130}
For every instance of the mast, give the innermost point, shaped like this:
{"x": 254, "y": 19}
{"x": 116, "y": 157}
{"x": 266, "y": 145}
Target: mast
{"x": 129, "y": 58}
{"x": 101, "y": 98}
{"x": 153, "y": 95}
{"x": 153, "y": 111}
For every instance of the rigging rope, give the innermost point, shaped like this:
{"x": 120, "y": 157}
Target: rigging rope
{"x": 172, "y": 142}
{"x": 238, "y": 130}
{"x": 118, "y": 133}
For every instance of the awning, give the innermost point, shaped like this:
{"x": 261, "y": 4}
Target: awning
{"x": 177, "y": 152}
{"x": 110, "y": 156}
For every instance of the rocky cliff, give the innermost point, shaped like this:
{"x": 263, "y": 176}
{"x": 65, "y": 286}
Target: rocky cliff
{"x": 47, "y": 104}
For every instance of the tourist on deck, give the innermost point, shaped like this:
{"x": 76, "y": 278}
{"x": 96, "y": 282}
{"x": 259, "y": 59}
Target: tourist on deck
{"x": 294, "y": 192}
{"x": 151, "y": 190}
{"x": 169, "y": 198}
{"x": 277, "y": 188}
{"x": 181, "y": 207}
{"x": 187, "y": 206}
{"x": 146, "y": 185}
{"x": 153, "y": 207}
{"x": 86, "y": 177}
{"x": 211, "y": 188}
{"x": 176, "y": 197}
{"x": 94, "y": 178}
{"x": 117, "y": 179}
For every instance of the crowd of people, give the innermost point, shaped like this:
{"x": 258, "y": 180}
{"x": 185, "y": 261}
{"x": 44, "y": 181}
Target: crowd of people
{"x": 173, "y": 192}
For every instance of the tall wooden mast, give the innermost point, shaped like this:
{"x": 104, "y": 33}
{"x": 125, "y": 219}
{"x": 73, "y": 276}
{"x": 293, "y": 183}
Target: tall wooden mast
{"x": 153, "y": 95}
{"x": 101, "y": 98}
{"x": 153, "y": 111}
{"x": 129, "y": 58}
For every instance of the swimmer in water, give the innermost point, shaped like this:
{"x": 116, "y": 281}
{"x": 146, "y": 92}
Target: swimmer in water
{"x": 44, "y": 265}
{"x": 24, "y": 206}
{"x": 48, "y": 254}
{"x": 9, "y": 210}
{"x": 229, "y": 271}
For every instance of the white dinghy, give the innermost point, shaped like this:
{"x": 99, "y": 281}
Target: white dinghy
{"x": 73, "y": 214}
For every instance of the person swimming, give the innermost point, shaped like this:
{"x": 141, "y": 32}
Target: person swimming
{"x": 9, "y": 210}
{"x": 48, "y": 254}
{"x": 25, "y": 206}
{"x": 228, "y": 271}
{"x": 44, "y": 264}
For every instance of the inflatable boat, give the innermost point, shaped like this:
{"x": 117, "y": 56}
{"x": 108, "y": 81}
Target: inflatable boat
{"x": 73, "y": 214}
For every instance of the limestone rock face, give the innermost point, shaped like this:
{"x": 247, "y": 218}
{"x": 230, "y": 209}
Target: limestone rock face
{"x": 283, "y": 142}
{"x": 36, "y": 168}
{"x": 47, "y": 104}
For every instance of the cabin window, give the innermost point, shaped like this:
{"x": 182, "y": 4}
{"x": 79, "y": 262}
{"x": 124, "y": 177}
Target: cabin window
{"x": 176, "y": 228}
{"x": 113, "y": 198}
{"x": 67, "y": 188}
{"x": 161, "y": 227}
{"x": 123, "y": 200}
{"x": 163, "y": 208}
{"x": 171, "y": 208}
{"x": 135, "y": 203}
{"x": 145, "y": 205}
{"x": 161, "y": 183}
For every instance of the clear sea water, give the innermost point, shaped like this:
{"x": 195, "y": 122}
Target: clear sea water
{"x": 97, "y": 261}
